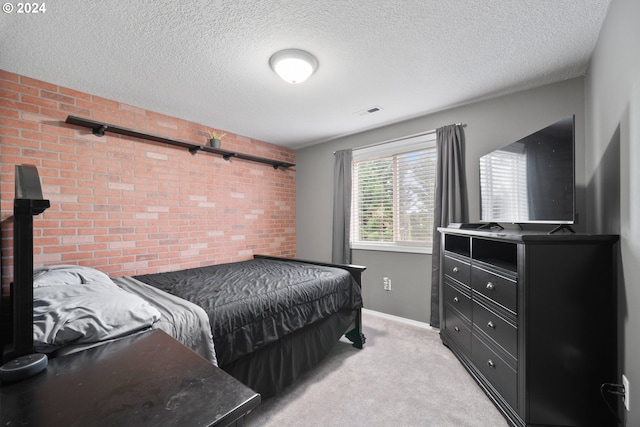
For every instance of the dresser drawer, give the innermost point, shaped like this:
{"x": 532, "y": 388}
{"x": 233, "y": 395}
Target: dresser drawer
{"x": 457, "y": 269}
{"x": 457, "y": 299}
{"x": 495, "y": 287}
{"x": 458, "y": 329}
{"x": 494, "y": 367}
{"x": 503, "y": 332}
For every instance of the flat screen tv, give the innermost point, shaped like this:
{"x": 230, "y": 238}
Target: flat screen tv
{"x": 531, "y": 180}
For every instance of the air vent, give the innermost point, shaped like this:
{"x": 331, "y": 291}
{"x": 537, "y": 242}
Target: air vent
{"x": 368, "y": 111}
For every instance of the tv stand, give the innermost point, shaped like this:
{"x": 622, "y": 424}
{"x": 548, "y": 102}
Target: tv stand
{"x": 532, "y": 317}
{"x": 562, "y": 228}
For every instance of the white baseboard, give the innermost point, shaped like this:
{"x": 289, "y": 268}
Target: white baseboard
{"x": 399, "y": 319}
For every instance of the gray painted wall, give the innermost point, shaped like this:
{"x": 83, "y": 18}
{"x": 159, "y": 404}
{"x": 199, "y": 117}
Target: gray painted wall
{"x": 490, "y": 124}
{"x": 612, "y": 87}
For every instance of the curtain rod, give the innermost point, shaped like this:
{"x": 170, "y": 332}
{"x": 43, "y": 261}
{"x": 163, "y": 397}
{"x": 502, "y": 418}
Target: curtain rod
{"x": 404, "y": 137}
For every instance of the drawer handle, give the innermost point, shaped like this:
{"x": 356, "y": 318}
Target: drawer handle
{"x": 455, "y": 328}
{"x": 455, "y": 269}
{"x": 490, "y": 286}
{"x": 491, "y": 363}
{"x": 455, "y": 299}
{"x": 491, "y": 325}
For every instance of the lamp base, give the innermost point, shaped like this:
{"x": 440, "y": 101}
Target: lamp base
{"x": 23, "y": 367}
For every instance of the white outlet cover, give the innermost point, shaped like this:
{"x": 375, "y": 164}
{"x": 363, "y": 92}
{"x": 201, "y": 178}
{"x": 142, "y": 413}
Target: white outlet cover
{"x": 625, "y": 384}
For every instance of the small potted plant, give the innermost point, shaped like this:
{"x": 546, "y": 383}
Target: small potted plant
{"x": 215, "y": 139}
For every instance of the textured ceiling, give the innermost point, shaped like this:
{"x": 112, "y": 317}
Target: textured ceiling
{"x": 208, "y": 61}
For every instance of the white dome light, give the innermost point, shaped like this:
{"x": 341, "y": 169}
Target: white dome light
{"x": 293, "y": 65}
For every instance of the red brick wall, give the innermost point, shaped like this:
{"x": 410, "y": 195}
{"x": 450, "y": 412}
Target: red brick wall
{"x": 127, "y": 206}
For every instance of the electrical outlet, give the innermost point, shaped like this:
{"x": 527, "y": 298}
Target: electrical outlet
{"x": 625, "y": 384}
{"x": 386, "y": 283}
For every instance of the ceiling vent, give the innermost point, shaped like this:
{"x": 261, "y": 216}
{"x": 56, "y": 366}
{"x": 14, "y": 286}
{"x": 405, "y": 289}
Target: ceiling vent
{"x": 368, "y": 111}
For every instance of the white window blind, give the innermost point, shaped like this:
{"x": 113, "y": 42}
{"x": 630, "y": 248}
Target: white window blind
{"x": 503, "y": 180}
{"x": 393, "y": 195}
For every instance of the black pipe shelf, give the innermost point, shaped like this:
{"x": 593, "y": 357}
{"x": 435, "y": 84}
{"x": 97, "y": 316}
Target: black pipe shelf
{"x": 99, "y": 129}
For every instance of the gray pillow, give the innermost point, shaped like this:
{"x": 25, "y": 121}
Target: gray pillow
{"x": 55, "y": 275}
{"x": 76, "y": 305}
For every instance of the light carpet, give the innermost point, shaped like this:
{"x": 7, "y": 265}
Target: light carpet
{"x": 404, "y": 376}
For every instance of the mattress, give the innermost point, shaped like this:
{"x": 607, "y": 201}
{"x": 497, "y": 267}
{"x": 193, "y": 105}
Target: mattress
{"x": 253, "y": 303}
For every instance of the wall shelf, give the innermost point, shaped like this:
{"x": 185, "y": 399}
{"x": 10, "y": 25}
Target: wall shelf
{"x": 99, "y": 129}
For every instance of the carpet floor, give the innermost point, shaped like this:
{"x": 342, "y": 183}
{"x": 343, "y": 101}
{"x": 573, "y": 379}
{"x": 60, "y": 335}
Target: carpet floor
{"x": 404, "y": 376}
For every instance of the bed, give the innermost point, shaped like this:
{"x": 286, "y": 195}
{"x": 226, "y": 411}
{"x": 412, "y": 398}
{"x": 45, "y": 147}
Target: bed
{"x": 264, "y": 321}
{"x": 271, "y": 318}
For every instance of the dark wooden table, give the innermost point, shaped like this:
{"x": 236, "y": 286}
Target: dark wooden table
{"x": 145, "y": 380}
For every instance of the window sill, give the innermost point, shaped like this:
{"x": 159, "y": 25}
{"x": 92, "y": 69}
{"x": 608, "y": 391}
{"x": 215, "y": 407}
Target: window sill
{"x": 391, "y": 248}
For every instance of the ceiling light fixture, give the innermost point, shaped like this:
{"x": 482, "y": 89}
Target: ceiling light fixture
{"x": 293, "y": 65}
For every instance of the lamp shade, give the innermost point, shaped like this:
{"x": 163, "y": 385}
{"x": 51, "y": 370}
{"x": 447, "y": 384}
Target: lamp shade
{"x": 293, "y": 65}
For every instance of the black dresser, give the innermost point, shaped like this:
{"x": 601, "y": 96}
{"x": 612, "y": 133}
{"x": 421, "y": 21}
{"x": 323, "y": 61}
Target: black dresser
{"x": 148, "y": 379}
{"x": 532, "y": 317}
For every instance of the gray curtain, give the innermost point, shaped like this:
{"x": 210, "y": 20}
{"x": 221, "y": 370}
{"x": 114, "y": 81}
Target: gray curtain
{"x": 450, "y": 200}
{"x": 340, "y": 251}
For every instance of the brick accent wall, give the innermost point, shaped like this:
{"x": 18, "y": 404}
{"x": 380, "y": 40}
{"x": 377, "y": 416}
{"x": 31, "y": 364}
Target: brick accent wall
{"x": 127, "y": 206}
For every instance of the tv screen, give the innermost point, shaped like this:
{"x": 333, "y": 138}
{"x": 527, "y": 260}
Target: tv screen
{"x": 531, "y": 180}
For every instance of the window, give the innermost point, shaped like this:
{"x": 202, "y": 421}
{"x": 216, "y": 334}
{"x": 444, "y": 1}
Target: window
{"x": 392, "y": 197}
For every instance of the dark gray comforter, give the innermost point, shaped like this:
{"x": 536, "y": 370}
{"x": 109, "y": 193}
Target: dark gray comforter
{"x": 253, "y": 303}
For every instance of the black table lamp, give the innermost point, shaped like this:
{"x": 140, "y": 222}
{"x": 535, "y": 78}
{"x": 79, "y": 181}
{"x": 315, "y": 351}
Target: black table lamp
{"x": 19, "y": 359}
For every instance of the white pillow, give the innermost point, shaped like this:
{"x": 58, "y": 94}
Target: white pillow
{"x": 73, "y": 305}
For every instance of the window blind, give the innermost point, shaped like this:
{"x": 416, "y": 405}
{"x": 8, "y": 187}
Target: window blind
{"x": 393, "y": 195}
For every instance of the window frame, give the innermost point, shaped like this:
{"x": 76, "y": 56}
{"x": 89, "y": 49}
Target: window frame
{"x": 389, "y": 149}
